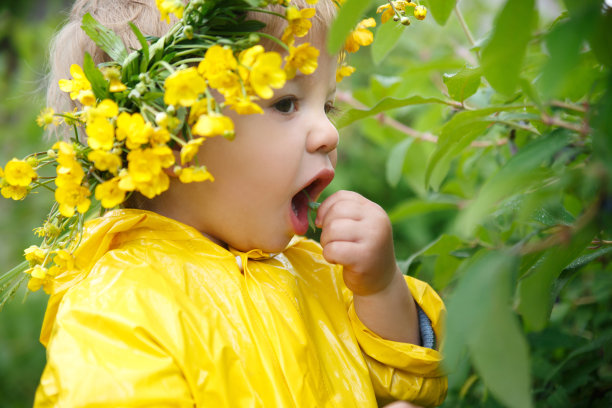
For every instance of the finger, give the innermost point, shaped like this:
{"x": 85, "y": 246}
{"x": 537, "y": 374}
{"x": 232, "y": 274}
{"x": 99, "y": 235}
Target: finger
{"x": 340, "y": 229}
{"x": 339, "y": 198}
{"x": 340, "y": 252}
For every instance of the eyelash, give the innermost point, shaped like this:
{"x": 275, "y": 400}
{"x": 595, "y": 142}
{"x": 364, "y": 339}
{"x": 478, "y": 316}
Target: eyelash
{"x": 330, "y": 109}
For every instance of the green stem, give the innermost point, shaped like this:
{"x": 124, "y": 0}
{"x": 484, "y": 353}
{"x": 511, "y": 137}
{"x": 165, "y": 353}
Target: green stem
{"x": 464, "y": 26}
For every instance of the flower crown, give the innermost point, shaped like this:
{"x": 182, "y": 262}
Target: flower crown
{"x": 139, "y": 107}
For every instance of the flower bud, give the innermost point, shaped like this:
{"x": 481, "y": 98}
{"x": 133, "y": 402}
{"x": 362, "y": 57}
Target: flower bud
{"x": 188, "y": 32}
{"x": 395, "y": 17}
{"x": 51, "y": 154}
{"x": 32, "y": 161}
{"x": 144, "y": 78}
{"x": 420, "y": 12}
{"x": 405, "y": 21}
{"x": 171, "y": 110}
{"x": 254, "y": 38}
{"x": 134, "y": 94}
{"x": 141, "y": 88}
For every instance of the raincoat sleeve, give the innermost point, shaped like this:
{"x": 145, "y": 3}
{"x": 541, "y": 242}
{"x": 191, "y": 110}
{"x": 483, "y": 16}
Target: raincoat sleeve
{"x": 403, "y": 371}
{"x": 114, "y": 343}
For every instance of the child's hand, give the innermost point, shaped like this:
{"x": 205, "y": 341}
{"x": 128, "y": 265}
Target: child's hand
{"x": 356, "y": 233}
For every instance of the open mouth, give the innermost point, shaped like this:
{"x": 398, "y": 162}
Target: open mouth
{"x": 310, "y": 192}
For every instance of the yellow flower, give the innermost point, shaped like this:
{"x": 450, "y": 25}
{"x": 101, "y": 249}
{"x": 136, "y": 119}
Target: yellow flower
{"x": 420, "y": 12}
{"x": 312, "y": 2}
{"x": 78, "y": 83}
{"x": 344, "y": 71}
{"x": 47, "y": 117}
{"x": 183, "y": 87}
{"x": 214, "y": 124}
{"x": 100, "y": 134}
{"x": 170, "y": 6}
{"x": 190, "y": 149}
{"x": 105, "y": 161}
{"x": 106, "y": 109}
{"x": 387, "y": 10}
{"x": 63, "y": 259}
{"x": 113, "y": 76}
{"x": 69, "y": 173}
{"x": 303, "y": 57}
{"x": 134, "y": 128}
{"x": 217, "y": 62}
{"x": 14, "y": 192}
{"x": 360, "y": 36}
{"x": 109, "y": 194}
{"x": 35, "y": 255}
{"x": 19, "y": 173}
{"x": 155, "y": 187}
{"x": 40, "y": 277}
{"x": 164, "y": 154}
{"x": 298, "y": 23}
{"x": 64, "y": 149}
{"x": 71, "y": 196}
{"x": 87, "y": 98}
{"x": 143, "y": 165}
{"x": 266, "y": 74}
{"x": 199, "y": 108}
{"x": 247, "y": 59}
{"x": 160, "y": 135}
{"x": 244, "y": 105}
{"x": 193, "y": 174}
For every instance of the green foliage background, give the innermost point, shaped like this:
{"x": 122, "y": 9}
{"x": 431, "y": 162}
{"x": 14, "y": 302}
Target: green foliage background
{"x": 486, "y": 133}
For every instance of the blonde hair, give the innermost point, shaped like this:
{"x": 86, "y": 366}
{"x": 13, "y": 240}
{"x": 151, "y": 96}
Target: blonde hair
{"x": 71, "y": 43}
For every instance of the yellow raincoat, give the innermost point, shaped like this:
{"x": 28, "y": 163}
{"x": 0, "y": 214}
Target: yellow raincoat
{"x": 162, "y": 316}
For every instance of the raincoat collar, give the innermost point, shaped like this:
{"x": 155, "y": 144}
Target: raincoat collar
{"x": 115, "y": 227}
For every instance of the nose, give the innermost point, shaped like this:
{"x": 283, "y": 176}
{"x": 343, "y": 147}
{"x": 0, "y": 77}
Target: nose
{"x": 323, "y": 135}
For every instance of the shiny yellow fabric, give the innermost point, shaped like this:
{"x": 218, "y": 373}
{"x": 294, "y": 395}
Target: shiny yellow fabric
{"x": 161, "y": 316}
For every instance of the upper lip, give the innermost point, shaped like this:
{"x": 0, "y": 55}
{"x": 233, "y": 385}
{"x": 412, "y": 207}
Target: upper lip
{"x": 317, "y": 184}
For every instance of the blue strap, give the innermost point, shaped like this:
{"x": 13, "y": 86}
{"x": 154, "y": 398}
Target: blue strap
{"x": 428, "y": 337}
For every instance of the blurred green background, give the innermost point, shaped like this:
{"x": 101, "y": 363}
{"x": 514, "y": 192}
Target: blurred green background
{"x": 568, "y": 361}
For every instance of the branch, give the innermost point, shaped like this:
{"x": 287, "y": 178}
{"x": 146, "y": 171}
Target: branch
{"x": 407, "y": 130}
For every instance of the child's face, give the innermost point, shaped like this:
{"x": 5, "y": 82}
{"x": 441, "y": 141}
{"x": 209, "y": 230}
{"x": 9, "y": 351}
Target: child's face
{"x": 256, "y": 200}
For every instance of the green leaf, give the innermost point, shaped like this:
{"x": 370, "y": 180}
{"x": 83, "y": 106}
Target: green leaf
{"x": 480, "y": 317}
{"x": 455, "y": 136}
{"x": 515, "y": 176}
{"x": 412, "y": 208}
{"x": 395, "y": 163}
{"x": 446, "y": 243}
{"x": 502, "y": 57}
{"x": 385, "y": 39}
{"x": 144, "y": 46}
{"x": 104, "y": 38}
{"x": 500, "y": 353}
{"x": 99, "y": 85}
{"x": 349, "y": 15}
{"x": 440, "y": 9}
{"x": 535, "y": 287}
{"x": 463, "y": 84}
{"x": 384, "y": 105}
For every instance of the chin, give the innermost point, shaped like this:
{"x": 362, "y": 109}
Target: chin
{"x": 269, "y": 245}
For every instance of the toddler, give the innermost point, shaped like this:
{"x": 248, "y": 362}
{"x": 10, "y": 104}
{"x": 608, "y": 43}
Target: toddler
{"x": 206, "y": 295}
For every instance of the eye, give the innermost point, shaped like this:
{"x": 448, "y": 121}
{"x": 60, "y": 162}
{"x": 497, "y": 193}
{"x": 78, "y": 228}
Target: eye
{"x": 286, "y": 105}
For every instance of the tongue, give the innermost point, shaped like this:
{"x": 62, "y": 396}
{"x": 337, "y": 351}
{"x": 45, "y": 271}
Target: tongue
{"x": 299, "y": 213}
